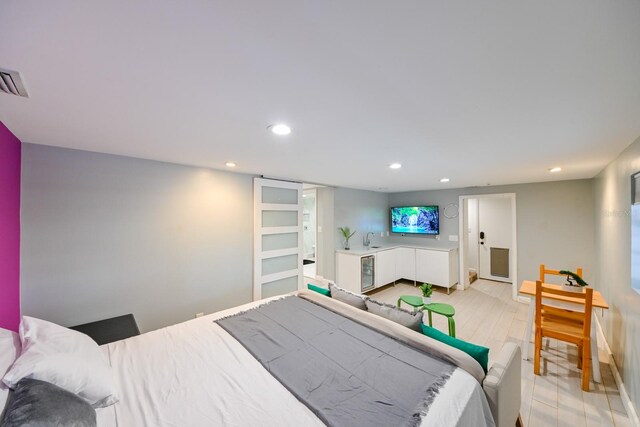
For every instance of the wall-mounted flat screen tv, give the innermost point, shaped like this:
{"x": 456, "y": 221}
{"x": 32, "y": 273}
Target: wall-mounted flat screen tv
{"x": 415, "y": 220}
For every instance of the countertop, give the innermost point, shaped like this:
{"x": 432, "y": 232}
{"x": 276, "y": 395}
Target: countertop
{"x": 361, "y": 250}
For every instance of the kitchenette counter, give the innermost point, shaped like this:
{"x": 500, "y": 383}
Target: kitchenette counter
{"x": 363, "y": 269}
{"x": 363, "y": 251}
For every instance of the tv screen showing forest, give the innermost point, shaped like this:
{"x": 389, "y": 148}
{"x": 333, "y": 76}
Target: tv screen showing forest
{"x": 415, "y": 220}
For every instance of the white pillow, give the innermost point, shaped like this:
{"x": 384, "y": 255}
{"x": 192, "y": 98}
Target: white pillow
{"x": 9, "y": 352}
{"x": 66, "y": 358}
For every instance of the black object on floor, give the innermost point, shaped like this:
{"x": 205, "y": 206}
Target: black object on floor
{"x": 110, "y": 330}
{"x": 307, "y": 261}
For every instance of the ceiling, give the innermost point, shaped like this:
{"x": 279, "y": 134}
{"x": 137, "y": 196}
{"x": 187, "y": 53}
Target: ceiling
{"x": 477, "y": 91}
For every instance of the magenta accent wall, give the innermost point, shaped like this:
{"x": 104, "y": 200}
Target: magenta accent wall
{"x": 9, "y": 229}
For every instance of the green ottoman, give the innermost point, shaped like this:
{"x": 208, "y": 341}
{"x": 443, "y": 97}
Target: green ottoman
{"x": 445, "y": 310}
{"x": 413, "y": 301}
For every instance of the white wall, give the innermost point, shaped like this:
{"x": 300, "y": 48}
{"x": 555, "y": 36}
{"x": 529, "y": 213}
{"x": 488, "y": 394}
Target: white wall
{"x": 106, "y": 235}
{"x": 326, "y": 264}
{"x": 613, "y": 247}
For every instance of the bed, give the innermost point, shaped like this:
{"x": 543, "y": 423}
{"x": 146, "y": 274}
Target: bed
{"x": 196, "y": 373}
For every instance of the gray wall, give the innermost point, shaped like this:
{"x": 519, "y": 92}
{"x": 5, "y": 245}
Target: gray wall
{"x": 106, "y": 235}
{"x": 613, "y": 242}
{"x": 326, "y": 264}
{"x": 362, "y": 211}
{"x": 555, "y": 222}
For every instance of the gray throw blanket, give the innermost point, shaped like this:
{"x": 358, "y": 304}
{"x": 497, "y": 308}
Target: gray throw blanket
{"x": 345, "y": 372}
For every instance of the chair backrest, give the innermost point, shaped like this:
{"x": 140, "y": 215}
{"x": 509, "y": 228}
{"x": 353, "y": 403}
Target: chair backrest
{"x": 563, "y": 315}
{"x": 544, "y": 271}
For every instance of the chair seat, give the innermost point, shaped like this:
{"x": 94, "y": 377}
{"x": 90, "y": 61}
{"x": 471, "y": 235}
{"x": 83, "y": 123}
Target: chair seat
{"x": 412, "y": 300}
{"x": 445, "y": 310}
{"x": 441, "y": 308}
{"x": 562, "y": 327}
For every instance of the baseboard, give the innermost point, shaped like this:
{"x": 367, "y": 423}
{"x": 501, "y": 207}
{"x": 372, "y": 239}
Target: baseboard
{"x": 626, "y": 401}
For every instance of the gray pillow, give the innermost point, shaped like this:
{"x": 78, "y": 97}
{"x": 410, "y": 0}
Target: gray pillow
{"x": 347, "y": 297}
{"x": 38, "y": 403}
{"x": 398, "y": 315}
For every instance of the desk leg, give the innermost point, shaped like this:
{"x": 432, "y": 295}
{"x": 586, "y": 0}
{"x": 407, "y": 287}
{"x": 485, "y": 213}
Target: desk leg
{"x": 595, "y": 359}
{"x": 526, "y": 340}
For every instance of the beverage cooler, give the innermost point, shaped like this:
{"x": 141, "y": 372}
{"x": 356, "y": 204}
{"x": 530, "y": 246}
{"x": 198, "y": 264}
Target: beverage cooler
{"x": 367, "y": 272}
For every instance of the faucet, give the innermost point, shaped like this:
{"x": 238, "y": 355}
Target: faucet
{"x": 365, "y": 240}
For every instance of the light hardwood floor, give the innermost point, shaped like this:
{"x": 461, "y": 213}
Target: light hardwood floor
{"x": 486, "y": 315}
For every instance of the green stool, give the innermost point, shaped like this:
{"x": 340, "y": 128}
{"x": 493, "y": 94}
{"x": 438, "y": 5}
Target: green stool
{"x": 413, "y": 301}
{"x": 445, "y": 310}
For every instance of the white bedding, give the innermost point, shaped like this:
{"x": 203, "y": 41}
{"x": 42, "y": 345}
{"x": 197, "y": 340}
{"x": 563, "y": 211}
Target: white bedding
{"x": 196, "y": 374}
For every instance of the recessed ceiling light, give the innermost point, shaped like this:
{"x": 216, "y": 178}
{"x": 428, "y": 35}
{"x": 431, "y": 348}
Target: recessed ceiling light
{"x": 304, "y": 195}
{"x": 230, "y": 164}
{"x": 444, "y": 180}
{"x": 556, "y": 169}
{"x": 395, "y": 166}
{"x": 280, "y": 129}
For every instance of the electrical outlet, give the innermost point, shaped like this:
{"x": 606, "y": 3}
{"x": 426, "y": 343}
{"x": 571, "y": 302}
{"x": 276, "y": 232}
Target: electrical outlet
{"x": 199, "y": 315}
{"x": 453, "y": 238}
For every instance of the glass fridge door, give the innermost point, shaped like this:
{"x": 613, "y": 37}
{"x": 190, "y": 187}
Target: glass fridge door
{"x": 367, "y": 272}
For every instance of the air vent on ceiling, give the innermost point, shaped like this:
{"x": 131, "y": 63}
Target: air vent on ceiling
{"x": 11, "y": 83}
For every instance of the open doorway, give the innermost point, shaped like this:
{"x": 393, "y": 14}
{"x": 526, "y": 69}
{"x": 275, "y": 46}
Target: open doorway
{"x": 309, "y": 231}
{"x": 488, "y": 247}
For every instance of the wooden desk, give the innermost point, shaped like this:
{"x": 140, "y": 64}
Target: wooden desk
{"x": 528, "y": 289}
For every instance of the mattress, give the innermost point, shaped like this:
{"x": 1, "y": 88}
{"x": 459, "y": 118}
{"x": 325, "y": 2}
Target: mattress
{"x": 195, "y": 374}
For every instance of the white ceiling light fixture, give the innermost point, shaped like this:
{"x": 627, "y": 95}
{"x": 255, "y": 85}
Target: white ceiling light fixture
{"x": 395, "y": 166}
{"x": 556, "y": 169}
{"x": 230, "y": 164}
{"x": 280, "y": 129}
{"x": 444, "y": 180}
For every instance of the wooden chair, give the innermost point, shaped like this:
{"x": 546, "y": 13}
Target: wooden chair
{"x": 544, "y": 271}
{"x": 564, "y": 325}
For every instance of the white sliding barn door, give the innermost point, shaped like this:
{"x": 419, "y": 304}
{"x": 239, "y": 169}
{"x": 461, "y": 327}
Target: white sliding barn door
{"x": 277, "y": 237}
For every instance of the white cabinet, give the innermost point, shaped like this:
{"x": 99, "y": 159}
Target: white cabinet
{"x": 348, "y": 274}
{"x": 386, "y": 266}
{"x": 437, "y": 267}
{"x": 406, "y": 263}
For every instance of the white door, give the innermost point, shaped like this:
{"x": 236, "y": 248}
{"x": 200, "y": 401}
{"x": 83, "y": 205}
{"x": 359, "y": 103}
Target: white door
{"x": 494, "y": 239}
{"x": 277, "y": 237}
{"x": 472, "y": 235}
